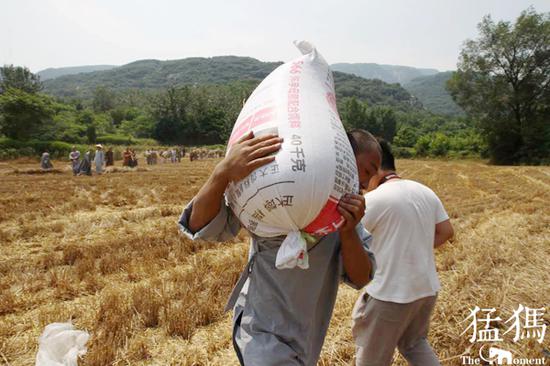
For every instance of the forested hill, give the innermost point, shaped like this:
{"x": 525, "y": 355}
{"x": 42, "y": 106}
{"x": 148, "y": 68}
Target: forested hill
{"x": 387, "y": 73}
{"x": 374, "y": 92}
{"x": 156, "y": 75}
{"x": 52, "y": 73}
{"x": 426, "y": 85}
{"x": 431, "y": 92}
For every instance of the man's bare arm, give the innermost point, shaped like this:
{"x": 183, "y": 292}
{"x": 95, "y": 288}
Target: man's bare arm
{"x": 443, "y": 232}
{"x": 246, "y": 155}
{"x": 206, "y": 204}
{"x": 356, "y": 260}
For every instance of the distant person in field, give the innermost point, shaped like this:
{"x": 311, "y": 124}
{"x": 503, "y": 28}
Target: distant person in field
{"x": 99, "y": 159}
{"x": 193, "y": 155}
{"x": 109, "y": 157}
{"x": 86, "y": 164}
{"x": 281, "y": 317}
{"x": 45, "y": 161}
{"x": 133, "y": 158}
{"x": 74, "y": 156}
{"x": 126, "y": 157}
{"x": 407, "y": 221}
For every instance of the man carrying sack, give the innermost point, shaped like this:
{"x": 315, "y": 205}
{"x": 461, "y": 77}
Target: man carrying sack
{"x": 281, "y": 316}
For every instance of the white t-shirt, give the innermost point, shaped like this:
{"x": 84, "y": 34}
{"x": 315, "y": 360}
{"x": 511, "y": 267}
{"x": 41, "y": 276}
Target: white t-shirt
{"x": 401, "y": 216}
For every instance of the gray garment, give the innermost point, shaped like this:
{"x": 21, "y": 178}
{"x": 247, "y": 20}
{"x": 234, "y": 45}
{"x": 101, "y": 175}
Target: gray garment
{"x": 45, "y": 162}
{"x": 281, "y": 316}
{"x": 381, "y": 326}
{"x": 99, "y": 159}
{"x": 86, "y": 165}
{"x": 75, "y": 161}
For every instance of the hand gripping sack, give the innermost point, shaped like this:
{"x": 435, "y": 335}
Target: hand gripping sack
{"x": 297, "y": 194}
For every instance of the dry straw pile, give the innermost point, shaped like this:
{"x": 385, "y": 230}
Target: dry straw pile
{"x": 105, "y": 252}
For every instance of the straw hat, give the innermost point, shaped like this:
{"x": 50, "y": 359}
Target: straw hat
{"x": 99, "y": 145}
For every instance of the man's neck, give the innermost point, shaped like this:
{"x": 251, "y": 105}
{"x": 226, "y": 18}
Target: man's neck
{"x": 388, "y": 175}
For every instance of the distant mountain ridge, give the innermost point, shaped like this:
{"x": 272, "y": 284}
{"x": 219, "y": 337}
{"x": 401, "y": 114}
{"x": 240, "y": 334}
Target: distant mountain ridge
{"x": 155, "y": 75}
{"x": 388, "y": 73}
{"x": 374, "y": 83}
{"x": 52, "y": 73}
{"x": 426, "y": 85}
{"x": 430, "y": 90}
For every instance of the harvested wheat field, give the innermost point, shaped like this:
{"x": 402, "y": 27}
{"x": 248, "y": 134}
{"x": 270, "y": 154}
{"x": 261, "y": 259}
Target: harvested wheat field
{"x": 105, "y": 252}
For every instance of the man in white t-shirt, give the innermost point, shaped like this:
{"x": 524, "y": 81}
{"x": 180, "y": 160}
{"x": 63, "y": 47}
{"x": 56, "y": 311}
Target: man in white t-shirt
{"x": 407, "y": 221}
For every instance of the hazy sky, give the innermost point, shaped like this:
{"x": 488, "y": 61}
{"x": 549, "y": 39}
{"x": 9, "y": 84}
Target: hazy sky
{"x": 421, "y": 33}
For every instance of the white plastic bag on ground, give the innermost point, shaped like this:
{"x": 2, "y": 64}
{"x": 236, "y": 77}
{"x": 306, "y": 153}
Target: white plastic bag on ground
{"x": 297, "y": 193}
{"x": 60, "y": 345}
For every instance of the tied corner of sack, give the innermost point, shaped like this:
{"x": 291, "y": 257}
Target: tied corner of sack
{"x": 293, "y": 252}
{"x": 305, "y": 47}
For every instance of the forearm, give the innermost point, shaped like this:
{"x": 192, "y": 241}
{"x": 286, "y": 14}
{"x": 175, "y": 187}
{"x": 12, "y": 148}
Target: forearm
{"x": 356, "y": 260}
{"x": 440, "y": 239}
{"x": 443, "y": 232}
{"x": 207, "y": 202}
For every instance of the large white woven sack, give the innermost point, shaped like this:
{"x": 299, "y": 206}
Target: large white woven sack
{"x": 298, "y": 193}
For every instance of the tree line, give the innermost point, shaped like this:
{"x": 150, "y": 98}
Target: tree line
{"x": 502, "y": 82}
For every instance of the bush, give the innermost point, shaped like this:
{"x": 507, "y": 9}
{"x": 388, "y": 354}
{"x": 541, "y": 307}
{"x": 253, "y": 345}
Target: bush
{"x": 422, "y": 146}
{"x": 12, "y": 149}
{"x": 8, "y": 153}
{"x": 439, "y": 145}
{"x": 113, "y": 139}
{"x": 403, "y": 152}
{"x": 7, "y": 143}
{"x": 60, "y": 146}
{"x": 146, "y": 142}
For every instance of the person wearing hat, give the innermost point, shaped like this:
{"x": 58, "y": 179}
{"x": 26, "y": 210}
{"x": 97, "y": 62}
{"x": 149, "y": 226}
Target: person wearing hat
{"x": 99, "y": 159}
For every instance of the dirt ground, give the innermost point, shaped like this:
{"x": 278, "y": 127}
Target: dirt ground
{"x": 104, "y": 251}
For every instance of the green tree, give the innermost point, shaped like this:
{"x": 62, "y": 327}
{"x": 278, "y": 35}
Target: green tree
{"x": 118, "y": 115}
{"x": 91, "y": 134}
{"x": 142, "y": 127}
{"x": 467, "y": 142}
{"x": 103, "y": 100}
{"x": 422, "y": 146}
{"x": 205, "y": 120}
{"x": 65, "y": 128}
{"x": 18, "y": 77}
{"x": 383, "y": 121}
{"x": 85, "y": 117}
{"x": 353, "y": 113}
{"x": 439, "y": 144}
{"x": 22, "y": 113}
{"x": 406, "y": 136}
{"x": 170, "y": 111}
{"x": 503, "y": 81}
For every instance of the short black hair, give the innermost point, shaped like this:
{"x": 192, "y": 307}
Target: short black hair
{"x": 363, "y": 141}
{"x": 388, "y": 161}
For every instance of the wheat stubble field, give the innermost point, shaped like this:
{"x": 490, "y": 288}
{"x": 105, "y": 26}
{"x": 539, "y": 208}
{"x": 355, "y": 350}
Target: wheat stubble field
{"x": 105, "y": 253}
